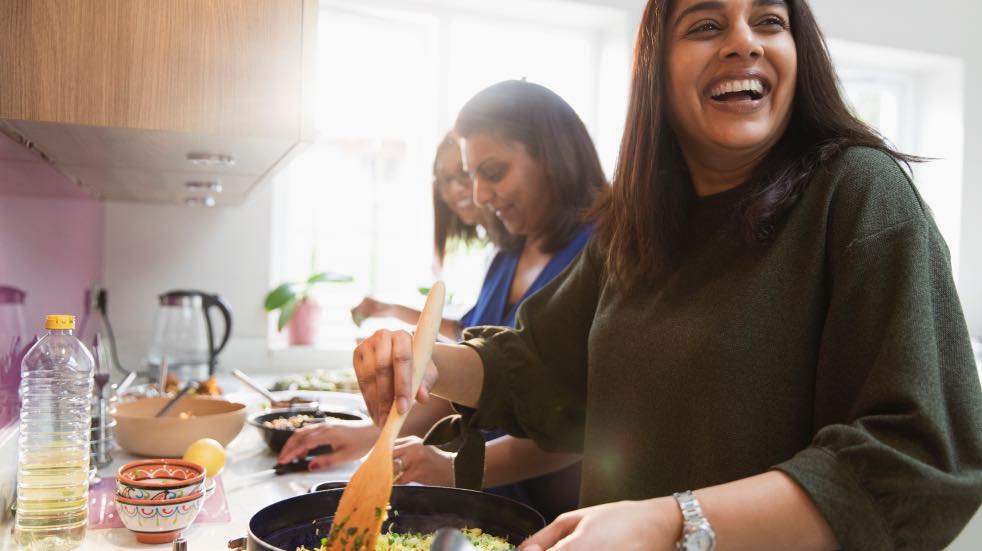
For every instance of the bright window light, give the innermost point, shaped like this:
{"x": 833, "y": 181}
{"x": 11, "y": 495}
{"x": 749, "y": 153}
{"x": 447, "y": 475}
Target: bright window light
{"x": 391, "y": 77}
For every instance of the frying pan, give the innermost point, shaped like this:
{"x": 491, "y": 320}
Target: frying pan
{"x": 305, "y": 519}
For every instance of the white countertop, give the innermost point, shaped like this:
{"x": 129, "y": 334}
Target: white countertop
{"x": 246, "y": 495}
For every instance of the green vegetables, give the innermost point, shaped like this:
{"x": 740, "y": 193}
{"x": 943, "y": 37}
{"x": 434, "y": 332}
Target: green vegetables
{"x": 391, "y": 541}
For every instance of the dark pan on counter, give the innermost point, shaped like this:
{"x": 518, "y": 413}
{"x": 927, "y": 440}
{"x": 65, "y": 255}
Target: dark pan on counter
{"x": 305, "y": 519}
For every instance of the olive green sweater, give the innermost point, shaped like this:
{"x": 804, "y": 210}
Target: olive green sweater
{"x": 837, "y": 353}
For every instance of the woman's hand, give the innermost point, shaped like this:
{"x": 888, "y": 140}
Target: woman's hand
{"x": 415, "y": 462}
{"x": 649, "y": 525}
{"x": 383, "y": 364}
{"x": 350, "y": 439}
{"x": 369, "y": 308}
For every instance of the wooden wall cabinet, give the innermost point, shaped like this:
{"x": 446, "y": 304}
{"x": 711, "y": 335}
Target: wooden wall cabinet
{"x": 119, "y": 93}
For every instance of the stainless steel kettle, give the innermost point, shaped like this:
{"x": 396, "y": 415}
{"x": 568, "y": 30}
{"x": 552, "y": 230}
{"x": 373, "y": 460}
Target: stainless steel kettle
{"x": 184, "y": 334}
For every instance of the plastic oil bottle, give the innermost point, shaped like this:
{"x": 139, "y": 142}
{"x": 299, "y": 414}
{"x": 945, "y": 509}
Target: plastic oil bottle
{"x": 53, "y": 461}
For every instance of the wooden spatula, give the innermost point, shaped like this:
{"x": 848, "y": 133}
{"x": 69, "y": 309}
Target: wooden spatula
{"x": 360, "y": 513}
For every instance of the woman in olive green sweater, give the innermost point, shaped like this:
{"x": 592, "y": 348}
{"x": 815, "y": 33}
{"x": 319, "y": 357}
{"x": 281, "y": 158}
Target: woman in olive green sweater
{"x": 766, "y": 316}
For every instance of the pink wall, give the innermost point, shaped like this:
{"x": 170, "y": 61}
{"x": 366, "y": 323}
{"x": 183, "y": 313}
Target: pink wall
{"x": 51, "y": 248}
{"x": 51, "y": 245}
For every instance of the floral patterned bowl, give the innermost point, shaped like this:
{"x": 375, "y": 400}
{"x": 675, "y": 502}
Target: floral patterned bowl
{"x": 158, "y": 521}
{"x": 159, "y": 479}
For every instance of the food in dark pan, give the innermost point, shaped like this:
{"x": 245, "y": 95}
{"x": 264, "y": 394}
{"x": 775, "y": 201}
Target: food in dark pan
{"x": 303, "y": 521}
{"x": 277, "y": 425}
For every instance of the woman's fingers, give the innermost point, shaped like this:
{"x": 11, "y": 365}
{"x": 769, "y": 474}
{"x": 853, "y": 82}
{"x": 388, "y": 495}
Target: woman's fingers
{"x": 365, "y": 370}
{"x": 383, "y": 365}
{"x": 553, "y": 533}
{"x": 296, "y": 445}
{"x": 402, "y": 364}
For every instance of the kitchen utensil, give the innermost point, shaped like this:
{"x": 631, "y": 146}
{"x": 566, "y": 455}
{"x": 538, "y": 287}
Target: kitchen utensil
{"x": 162, "y": 376}
{"x": 124, "y": 385}
{"x": 184, "y": 335}
{"x": 273, "y": 400}
{"x": 300, "y": 465}
{"x": 367, "y": 494}
{"x": 187, "y": 388}
{"x": 450, "y": 539}
{"x": 303, "y": 520}
{"x": 140, "y": 432}
{"x": 276, "y": 438}
{"x": 13, "y": 340}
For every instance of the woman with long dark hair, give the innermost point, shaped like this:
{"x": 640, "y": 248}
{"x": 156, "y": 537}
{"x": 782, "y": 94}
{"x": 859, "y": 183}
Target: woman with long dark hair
{"x": 762, "y": 347}
{"x": 534, "y": 170}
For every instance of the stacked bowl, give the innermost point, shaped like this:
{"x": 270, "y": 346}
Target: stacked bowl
{"x": 158, "y": 498}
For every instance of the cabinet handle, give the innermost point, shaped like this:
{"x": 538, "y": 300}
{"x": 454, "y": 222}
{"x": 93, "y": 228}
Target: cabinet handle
{"x": 211, "y": 159}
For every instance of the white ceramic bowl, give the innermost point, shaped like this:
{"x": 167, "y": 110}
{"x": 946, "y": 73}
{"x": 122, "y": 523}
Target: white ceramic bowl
{"x": 158, "y": 521}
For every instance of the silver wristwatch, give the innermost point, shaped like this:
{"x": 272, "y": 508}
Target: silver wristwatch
{"x": 697, "y": 534}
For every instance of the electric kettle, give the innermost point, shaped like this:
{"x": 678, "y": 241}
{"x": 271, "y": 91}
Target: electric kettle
{"x": 185, "y": 337}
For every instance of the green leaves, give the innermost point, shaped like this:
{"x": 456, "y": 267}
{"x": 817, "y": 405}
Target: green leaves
{"x": 280, "y": 295}
{"x": 286, "y": 297}
{"x": 287, "y": 312}
{"x": 329, "y": 277}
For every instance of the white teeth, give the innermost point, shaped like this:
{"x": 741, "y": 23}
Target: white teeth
{"x": 732, "y": 86}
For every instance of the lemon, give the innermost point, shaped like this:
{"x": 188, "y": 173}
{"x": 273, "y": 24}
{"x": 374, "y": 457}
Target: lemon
{"x": 208, "y": 453}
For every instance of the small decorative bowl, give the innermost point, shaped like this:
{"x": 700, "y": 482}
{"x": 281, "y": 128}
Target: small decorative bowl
{"x": 159, "y": 521}
{"x": 159, "y": 479}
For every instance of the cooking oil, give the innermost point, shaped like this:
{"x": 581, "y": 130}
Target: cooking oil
{"x": 53, "y": 460}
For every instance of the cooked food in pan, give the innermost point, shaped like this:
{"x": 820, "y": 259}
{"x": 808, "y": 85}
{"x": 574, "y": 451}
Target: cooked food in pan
{"x": 391, "y": 541}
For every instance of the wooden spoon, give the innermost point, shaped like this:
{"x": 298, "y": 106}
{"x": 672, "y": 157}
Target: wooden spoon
{"x": 358, "y": 520}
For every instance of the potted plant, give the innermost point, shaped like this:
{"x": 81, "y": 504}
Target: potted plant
{"x": 298, "y": 312}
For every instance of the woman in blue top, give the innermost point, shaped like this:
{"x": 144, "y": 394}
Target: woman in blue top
{"x": 534, "y": 169}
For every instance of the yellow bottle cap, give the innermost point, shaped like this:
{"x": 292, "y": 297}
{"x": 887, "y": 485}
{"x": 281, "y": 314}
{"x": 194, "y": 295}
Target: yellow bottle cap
{"x": 59, "y": 321}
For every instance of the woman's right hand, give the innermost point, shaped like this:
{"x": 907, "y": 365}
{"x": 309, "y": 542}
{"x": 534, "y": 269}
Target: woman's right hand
{"x": 369, "y": 308}
{"x": 383, "y": 364}
{"x": 350, "y": 440}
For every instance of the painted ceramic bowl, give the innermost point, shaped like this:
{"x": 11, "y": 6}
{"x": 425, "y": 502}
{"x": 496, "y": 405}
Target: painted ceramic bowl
{"x": 158, "y": 521}
{"x": 159, "y": 479}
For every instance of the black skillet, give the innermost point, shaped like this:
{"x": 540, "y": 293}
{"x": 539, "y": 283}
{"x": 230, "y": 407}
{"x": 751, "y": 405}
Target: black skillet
{"x": 305, "y": 519}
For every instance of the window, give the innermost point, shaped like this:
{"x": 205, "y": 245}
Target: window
{"x": 392, "y": 76}
{"x": 916, "y": 101}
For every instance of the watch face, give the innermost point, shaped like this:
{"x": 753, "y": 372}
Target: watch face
{"x": 697, "y": 540}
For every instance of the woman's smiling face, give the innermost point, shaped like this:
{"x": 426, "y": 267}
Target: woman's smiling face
{"x": 732, "y": 67}
{"x": 508, "y": 181}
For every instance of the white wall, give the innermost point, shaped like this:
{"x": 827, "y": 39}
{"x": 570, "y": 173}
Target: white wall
{"x": 151, "y": 249}
{"x": 942, "y": 27}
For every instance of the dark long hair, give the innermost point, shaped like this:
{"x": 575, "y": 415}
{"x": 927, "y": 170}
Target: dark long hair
{"x": 553, "y": 134}
{"x": 447, "y": 226}
{"x": 641, "y": 219}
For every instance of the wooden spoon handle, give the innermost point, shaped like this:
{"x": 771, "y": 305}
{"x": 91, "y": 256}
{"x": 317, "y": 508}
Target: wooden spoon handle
{"x": 427, "y": 329}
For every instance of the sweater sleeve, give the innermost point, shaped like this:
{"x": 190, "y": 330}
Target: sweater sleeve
{"x": 535, "y": 375}
{"x": 896, "y": 459}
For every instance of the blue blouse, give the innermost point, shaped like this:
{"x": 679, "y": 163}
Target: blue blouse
{"x": 492, "y": 309}
{"x": 492, "y": 303}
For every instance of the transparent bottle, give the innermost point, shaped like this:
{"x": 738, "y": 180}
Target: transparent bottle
{"x": 53, "y": 462}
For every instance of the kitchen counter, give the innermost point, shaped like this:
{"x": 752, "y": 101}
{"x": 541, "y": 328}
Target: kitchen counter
{"x": 245, "y": 494}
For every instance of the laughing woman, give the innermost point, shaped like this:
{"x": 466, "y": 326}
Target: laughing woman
{"x": 762, "y": 347}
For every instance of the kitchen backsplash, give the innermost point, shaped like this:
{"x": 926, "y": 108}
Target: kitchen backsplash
{"x": 51, "y": 248}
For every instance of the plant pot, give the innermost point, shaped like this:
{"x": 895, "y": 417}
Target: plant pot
{"x": 302, "y": 328}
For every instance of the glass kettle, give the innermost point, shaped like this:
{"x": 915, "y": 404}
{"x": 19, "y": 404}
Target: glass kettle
{"x": 185, "y": 337}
